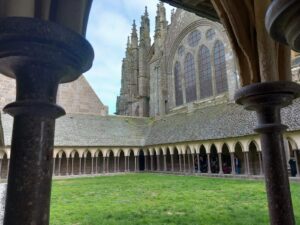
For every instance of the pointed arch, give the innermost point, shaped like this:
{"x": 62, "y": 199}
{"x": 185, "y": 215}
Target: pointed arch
{"x": 190, "y": 78}
{"x": 220, "y": 67}
{"x": 205, "y": 76}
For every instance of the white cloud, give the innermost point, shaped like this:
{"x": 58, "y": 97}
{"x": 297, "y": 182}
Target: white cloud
{"x": 109, "y": 25}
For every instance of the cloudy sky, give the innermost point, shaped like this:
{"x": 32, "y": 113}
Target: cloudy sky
{"x": 109, "y": 25}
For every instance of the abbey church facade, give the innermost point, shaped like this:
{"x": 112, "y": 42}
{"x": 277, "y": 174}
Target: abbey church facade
{"x": 175, "y": 113}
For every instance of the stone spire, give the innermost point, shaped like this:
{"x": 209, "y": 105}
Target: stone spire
{"x": 134, "y": 36}
{"x": 145, "y": 40}
{"x": 161, "y": 22}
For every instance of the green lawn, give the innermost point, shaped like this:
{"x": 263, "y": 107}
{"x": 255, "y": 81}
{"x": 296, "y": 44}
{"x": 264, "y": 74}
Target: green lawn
{"x": 139, "y": 199}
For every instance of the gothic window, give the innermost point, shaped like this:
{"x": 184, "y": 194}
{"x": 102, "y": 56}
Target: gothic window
{"x": 210, "y": 34}
{"x": 205, "y": 78}
{"x": 181, "y": 50}
{"x": 194, "y": 38}
{"x": 178, "y": 84}
{"x": 190, "y": 78}
{"x": 220, "y": 67}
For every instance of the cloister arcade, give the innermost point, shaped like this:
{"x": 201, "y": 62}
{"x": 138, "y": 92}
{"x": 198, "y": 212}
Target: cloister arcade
{"x": 232, "y": 157}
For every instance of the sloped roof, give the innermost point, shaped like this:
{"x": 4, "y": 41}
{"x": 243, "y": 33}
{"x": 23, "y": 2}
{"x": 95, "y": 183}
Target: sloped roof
{"x": 214, "y": 122}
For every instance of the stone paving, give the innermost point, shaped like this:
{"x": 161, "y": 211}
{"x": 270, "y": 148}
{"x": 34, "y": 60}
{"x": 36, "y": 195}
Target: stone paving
{"x": 2, "y": 201}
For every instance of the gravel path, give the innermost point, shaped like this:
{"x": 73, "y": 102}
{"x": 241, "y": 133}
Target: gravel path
{"x": 2, "y": 201}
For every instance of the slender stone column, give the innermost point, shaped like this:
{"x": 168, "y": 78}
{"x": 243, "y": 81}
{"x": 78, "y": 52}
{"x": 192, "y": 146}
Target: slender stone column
{"x": 208, "y": 164}
{"x": 184, "y": 167}
{"x": 92, "y": 170}
{"x": 0, "y": 167}
{"x": 145, "y": 163}
{"x": 53, "y": 167}
{"x": 267, "y": 99}
{"x": 84, "y": 164}
{"x": 59, "y": 166}
{"x": 179, "y": 156}
{"x": 115, "y": 164}
{"x": 80, "y": 169}
{"x": 172, "y": 163}
{"x": 151, "y": 162}
{"x": 158, "y": 163}
{"x": 67, "y": 170}
{"x": 220, "y": 163}
{"x": 198, "y": 160}
{"x": 8, "y": 162}
{"x": 189, "y": 163}
{"x": 104, "y": 163}
{"x": 246, "y": 164}
{"x": 296, "y": 159}
{"x": 97, "y": 169}
{"x": 165, "y": 163}
{"x": 118, "y": 164}
{"x": 233, "y": 172}
{"x": 72, "y": 172}
{"x": 260, "y": 164}
{"x": 125, "y": 169}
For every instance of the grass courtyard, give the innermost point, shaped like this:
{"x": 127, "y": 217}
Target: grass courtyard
{"x": 138, "y": 199}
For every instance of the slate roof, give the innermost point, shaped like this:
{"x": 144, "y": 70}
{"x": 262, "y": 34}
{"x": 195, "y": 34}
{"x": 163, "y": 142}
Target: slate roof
{"x": 214, "y": 122}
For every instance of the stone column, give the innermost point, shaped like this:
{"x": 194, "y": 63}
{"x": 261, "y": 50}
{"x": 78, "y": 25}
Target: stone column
{"x": 267, "y": 99}
{"x": 220, "y": 163}
{"x": 80, "y": 169}
{"x": 104, "y": 164}
{"x": 59, "y": 166}
{"x": 260, "y": 164}
{"x": 172, "y": 162}
{"x": 233, "y": 172}
{"x": 72, "y": 172}
{"x": 39, "y": 55}
{"x": 115, "y": 164}
{"x": 151, "y": 161}
{"x": 180, "y": 169}
{"x": 208, "y": 164}
{"x": 165, "y": 163}
{"x": 92, "y": 170}
{"x": 158, "y": 163}
{"x": 0, "y": 167}
{"x": 184, "y": 167}
{"x": 84, "y": 164}
{"x": 8, "y": 163}
{"x": 248, "y": 163}
{"x": 145, "y": 163}
{"x": 198, "y": 160}
{"x": 97, "y": 169}
{"x": 125, "y": 163}
{"x": 67, "y": 172}
{"x": 53, "y": 167}
{"x": 189, "y": 162}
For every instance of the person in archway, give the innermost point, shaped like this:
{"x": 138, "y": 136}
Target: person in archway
{"x": 293, "y": 167}
{"x": 237, "y": 164}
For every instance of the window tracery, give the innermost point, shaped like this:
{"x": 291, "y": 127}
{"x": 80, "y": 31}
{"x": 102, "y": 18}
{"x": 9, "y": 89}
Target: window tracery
{"x": 205, "y": 76}
{"x": 178, "y": 84}
{"x": 220, "y": 67}
{"x": 190, "y": 78}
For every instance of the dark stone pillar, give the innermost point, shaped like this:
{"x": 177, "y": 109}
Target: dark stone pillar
{"x": 198, "y": 160}
{"x": 39, "y": 55}
{"x": 172, "y": 162}
{"x": 151, "y": 162}
{"x": 267, "y": 99}
{"x": 260, "y": 164}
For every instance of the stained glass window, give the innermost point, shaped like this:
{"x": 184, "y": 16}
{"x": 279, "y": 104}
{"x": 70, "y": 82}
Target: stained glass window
{"x": 210, "y": 34}
{"x": 190, "y": 78}
{"x": 220, "y": 67}
{"x": 205, "y": 78}
{"x": 178, "y": 84}
{"x": 194, "y": 38}
{"x": 181, "y": 50}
